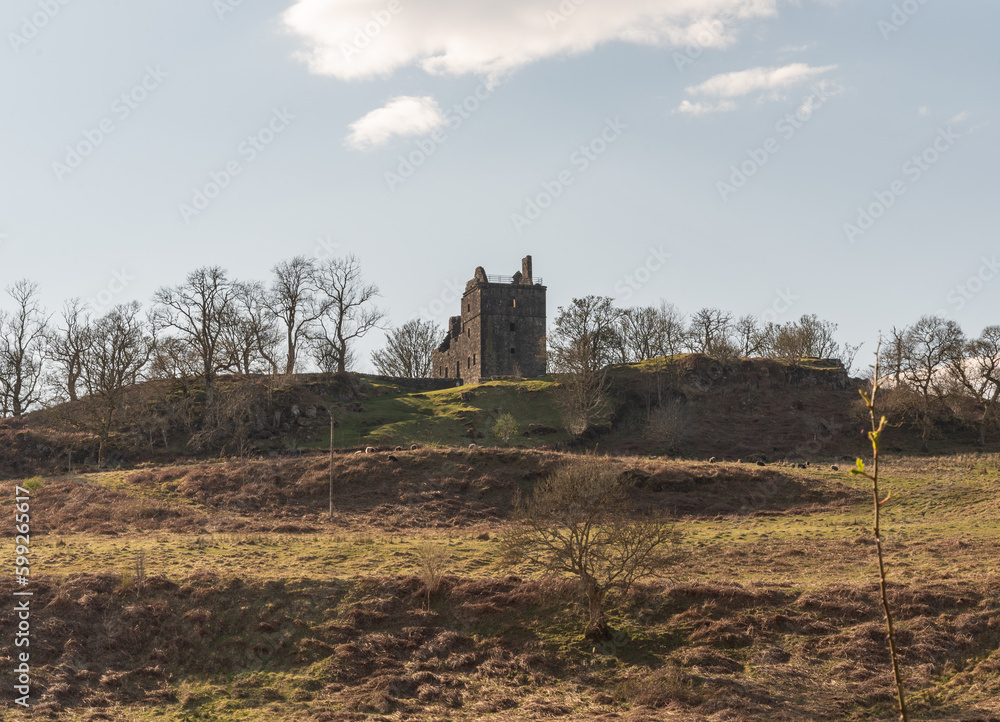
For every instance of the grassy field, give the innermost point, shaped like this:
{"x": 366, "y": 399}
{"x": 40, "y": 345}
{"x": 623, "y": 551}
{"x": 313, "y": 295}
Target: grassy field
{"x": 391, "y": 415}
{"x": 222, "y": 590}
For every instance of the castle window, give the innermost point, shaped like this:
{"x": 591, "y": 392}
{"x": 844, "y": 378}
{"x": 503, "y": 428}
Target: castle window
{"x": 468, "y": 362}
{"x": 512, "y": 350}
{"x": 512, "y": 327}
{"x": 468, "y": 332}
{"x": 473, "y": 359}
{"x": 513, "y": 303}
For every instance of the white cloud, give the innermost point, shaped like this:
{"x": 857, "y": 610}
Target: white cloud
{"x": 403, "y": 116}
{"x": 766, "y": 81}
{"x": 744, "y": 82}
{"x": 964, "y": 115}
{"x": 359, "y": 39}
{"x": 699, "y": 108}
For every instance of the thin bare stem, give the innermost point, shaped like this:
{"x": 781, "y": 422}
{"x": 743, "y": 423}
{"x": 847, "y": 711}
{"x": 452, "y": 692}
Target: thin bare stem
{"x": 875, "y": 436}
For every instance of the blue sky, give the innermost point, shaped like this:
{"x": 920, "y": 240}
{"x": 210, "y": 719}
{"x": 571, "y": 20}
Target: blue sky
{"x": 648, "y": 129}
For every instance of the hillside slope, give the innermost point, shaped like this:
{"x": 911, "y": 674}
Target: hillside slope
{"x": 692, "y": 407}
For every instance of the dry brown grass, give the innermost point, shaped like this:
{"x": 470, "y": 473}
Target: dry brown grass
{"x": 716, "y": 651}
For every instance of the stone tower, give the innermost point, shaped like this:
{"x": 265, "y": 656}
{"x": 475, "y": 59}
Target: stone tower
{"x": 500, "y": 332}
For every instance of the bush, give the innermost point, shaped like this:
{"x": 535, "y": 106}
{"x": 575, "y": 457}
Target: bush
{"x": 432, "y": 559}
{"x": 505, "y": 427}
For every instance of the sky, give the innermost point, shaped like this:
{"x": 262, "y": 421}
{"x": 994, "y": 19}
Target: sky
{"x": 836, "y": 157}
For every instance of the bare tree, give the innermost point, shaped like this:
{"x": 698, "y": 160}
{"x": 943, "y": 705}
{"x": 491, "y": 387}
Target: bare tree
{"x": 818, "y": 337}
{"x": 119, "y": 350}
{"x": 407, "y": 353}
{"x": 673, "y": 338}
{"x": 67, "y": 345}
{"x": 176, "y": 362}
{"x": 579, "y": 522}
{"x": 667, "y": 425}
{"x": 580, "y": 346}
{"x": 924, "y": 351}
{"x": 293, "y": 301}
{"x": 22, "y": 350}
{"x": 977, "y": 370}
{"x": 637, "y": 332}
{"x": 750, "y": 336}
{"x": 198, "y": 312}
{"x": 711, "y": 333}
{"x": 250, "y": 337}
{"x": 350, "y": 312}
{"x": 582, "y": 336}
{"x": 809, "y": 337}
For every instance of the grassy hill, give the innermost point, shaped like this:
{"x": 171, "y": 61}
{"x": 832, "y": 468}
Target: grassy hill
{"x": 724, "y": 410}
{"x": 389, "y": 415}
{"x": 689, "y": 406}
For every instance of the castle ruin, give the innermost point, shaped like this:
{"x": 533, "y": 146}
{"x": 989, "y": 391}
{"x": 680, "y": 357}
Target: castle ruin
{"x": 500, "y": 332}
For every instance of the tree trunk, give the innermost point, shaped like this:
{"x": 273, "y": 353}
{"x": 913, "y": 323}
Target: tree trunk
{"x": 71, "y": 385}
{"x": 342, "y": 358}
{"x": 290, "y": 358}
{"x": 597, "y": 626}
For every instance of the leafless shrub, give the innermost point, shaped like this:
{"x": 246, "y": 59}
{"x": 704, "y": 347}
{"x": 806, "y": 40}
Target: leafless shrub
{"x": 433, "y": 560}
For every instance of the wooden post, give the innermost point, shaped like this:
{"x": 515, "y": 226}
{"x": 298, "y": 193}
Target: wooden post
{"x": 330, "y": 411}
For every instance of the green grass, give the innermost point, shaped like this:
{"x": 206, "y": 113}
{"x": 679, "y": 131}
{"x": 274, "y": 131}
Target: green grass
{"x": 391, "y": 416}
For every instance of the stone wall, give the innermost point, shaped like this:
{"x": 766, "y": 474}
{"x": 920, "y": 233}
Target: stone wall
{"x": 500, "y": 332}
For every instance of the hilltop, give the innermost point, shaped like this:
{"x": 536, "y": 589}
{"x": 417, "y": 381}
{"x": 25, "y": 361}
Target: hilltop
{"x": 689, "y": 407}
